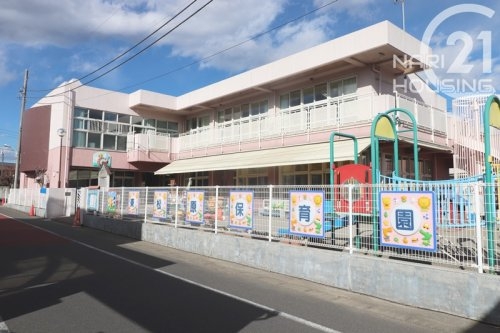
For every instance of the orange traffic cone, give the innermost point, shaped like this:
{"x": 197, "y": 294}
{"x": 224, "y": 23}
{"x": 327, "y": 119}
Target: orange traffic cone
{"x": 76, "y": 220}
{"x": 32, "y": 210}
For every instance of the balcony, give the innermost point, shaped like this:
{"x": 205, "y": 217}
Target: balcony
{"x": 148, "y": 147}
{"x": 332, "y": 114}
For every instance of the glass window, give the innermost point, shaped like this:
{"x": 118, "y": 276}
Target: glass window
{"x": 316, "y": 179}
{"x": 264, "y": 108}
{"x": 79, "y": 139}
{"x": 236, "y": 113}
{"x": 79, "y": 112}
{"x": 204, "y": 121}
{"x": 79, "y": 124}
{"x": 124, "y": 119}
{"x": 94, "y": 140}
{"x": 228, "y": 115}
{"x": 254, "y": 109}
{"x": 308, "y": 95}
{"x": 301, "y": 180}
{"x": 335, "y": 89}
{"x": 220, "y": 116}
{"x": 193, "y": 124}
{"x": 343, "y": 87}
{"x": 320, "y": 92}
{"x": 150, "y": 122}
{"x": 136, "y": 120}
{"x": 245, "y": 111}
{"x": 284, "y": 101}
{"x": 295, "y": 98}
{"x": 162, "y": 125}
{"x": 173, "y": 127}
{"x": 121, "y": 143}
{"x": 301, "y": 167}
{"x": 94, "y": 114}
{"x": 108, "y": 141}
{"x": 350, "y": 86}
{"x": 127, "y": 182}
{"x": 110, "y": 116}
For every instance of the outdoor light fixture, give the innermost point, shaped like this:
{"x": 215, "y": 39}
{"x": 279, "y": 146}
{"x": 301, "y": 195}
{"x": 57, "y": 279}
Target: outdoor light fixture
{"x": 61, "y": 132}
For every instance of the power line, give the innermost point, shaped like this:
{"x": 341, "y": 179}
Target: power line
{"x": 126, "y": 51}
{"x": 149, "y": 45}
{"x": 297, "y": 18}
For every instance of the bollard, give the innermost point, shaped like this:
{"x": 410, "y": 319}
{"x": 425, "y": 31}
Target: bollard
{"x": 76, "y": 220}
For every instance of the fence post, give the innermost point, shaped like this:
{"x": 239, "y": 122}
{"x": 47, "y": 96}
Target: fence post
{"x": 479, "y": 234}
{"x": 146, "y": 206}
{"x": 270, "y": 218}
{"x": 103, "y": 200}
{"x": 176, "y": 219}
{"x": 216, "y": 208}
{"x": 122, "y": 199}
{"x": 350, "y": 219}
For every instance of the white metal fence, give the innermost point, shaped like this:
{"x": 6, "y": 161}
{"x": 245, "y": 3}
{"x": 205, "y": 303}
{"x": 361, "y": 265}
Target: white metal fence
{"x": 439, "y": 223}
{"x": 328, "y": 114}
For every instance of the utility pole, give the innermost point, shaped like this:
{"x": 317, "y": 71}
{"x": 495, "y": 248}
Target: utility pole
{"x": 23, "y": 107}
{"x": 402, "y": 2}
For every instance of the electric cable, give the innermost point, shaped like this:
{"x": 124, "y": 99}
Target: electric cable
{"x": 124, "y": 52}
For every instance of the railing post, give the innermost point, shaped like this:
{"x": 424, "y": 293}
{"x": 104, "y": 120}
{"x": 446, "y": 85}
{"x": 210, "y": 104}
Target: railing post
{"x": 270, "y": 218}
{"x": 146, "y": 206}
{"x": 350, "y": 219}
{"x": 216, "y": 208}
{"x": 176, "y": 219}
{"x": 479, "y": 233}
{"x": 121, "y": 201}
{"x": 102, "y": 201}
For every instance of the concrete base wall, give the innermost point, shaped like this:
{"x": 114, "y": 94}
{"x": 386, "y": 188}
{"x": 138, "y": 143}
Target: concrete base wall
{"x": 466, "y": 294}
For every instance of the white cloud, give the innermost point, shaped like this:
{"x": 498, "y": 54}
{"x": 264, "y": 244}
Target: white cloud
{"x": 6, "y": 73}
{"x": 65, "y": 23}
{"x": 207, "y": 34}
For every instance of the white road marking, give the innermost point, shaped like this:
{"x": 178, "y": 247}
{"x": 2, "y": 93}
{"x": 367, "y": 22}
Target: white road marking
{"x": 299, "y": 320}
{"x": 3, "y": 326}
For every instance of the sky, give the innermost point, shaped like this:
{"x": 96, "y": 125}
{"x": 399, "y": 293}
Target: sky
{"x": 193, "y": 43}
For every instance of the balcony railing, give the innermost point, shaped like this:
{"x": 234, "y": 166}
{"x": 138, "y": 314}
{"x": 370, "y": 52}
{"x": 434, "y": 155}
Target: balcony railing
{"x": 329, "y": 114}
{"x": 150, "y": 147}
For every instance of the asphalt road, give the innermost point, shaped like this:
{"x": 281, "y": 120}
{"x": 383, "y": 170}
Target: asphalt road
{"x": 58, "y": 278}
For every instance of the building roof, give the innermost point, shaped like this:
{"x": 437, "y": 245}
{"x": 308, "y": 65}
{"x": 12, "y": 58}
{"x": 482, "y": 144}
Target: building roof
{"x": 374, "y": 46}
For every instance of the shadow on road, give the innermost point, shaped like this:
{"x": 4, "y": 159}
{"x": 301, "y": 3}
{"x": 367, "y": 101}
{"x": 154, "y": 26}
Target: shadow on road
{"x": 41, "y": 270}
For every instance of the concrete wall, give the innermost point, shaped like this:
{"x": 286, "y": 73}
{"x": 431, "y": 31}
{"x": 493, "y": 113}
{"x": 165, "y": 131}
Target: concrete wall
{"x": 466, "y": 294}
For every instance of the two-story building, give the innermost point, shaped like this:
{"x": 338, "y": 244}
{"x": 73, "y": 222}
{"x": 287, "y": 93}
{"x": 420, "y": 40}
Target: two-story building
{"x": 269, "y": 125}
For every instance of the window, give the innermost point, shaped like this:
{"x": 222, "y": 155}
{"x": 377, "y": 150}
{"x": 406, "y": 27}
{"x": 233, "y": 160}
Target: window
{"x": 245, "y": 111}
{"x": 343, "y": 87}
{"x": 125, "y": 119}
{"x": 305, "y": 174}
{"x": 308, "y": 95}
{"x": 284, "y": 101}
{"x": 198, "y": 122}
{"x": 110, "y": 116}
{"x": 79, "y": 112}
{"x": 79, "y": 139}
{"x": 109, "y": 142}
{"x": 320, "y": 92}
{"x": 94, "y": 140}
{"x": 254, "y": 109}
{"x": 121, "y": 142}
{"x": 122, "y": 179}
{"x": 79, "y": 123}
{"x": 94, "y": 114}
{"x": 295, "y": 98}
{"x": 108, "y": 130}
{"x": 162, "y": 126}
{"x": 349, "y": 86}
